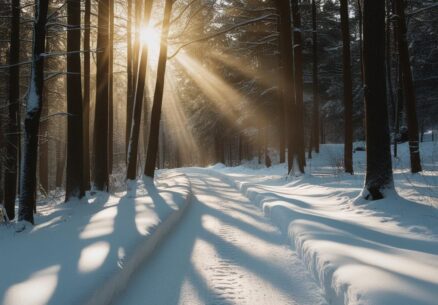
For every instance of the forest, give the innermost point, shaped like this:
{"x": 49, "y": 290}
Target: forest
{"x": 223, "y": 130}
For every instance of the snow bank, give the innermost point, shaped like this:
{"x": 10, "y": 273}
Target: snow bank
{"x": 85, "y": 252}
{"x": 381, "y": 252}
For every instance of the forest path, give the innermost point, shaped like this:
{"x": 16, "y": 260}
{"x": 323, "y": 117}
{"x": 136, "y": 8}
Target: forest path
{"x": 223, "y": 252}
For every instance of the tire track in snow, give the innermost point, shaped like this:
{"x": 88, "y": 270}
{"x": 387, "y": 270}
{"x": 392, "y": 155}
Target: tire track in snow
{"x": 224, "y": 252}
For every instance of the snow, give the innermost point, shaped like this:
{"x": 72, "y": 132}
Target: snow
{"x": 360, "y": 252}
{"x": 223, "y": 252}
{"x": 321, "y": 243}
{"x": 84, "y": 252}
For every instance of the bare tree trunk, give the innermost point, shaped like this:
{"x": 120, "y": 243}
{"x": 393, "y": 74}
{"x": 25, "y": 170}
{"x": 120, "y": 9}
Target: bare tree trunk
{"x": 315, "y": 88}
{"x": 379, "y": 169}
{"x": 43, "y": 145}
{"x": 408, "y": 86}
{"x": 110, "y": 87}
{"x": 154, "y": 130}
{"x": 86, "y": 99}
{"x": 60, "y": 163}
{"x": 13, "y": 137}
{"x": 129, "y": 92}
{"x": 298, "y": 149}
{"x": 138, "y": 103}
{"x": 287, "y": 76}
{"x": 33, "y": 112}
{"x": 100, "y": 168}
{"x": 348, "y": 89}
{"x": 75, "y": 149}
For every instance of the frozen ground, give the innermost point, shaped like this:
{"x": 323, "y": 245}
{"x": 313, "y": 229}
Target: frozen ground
{"x": 321, "y": 245}
{"x": 83, "y": 252}
{"x": 223, "y": 252}
{"x": 382, "y": 252}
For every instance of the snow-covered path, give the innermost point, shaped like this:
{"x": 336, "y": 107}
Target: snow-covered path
{"x": 224, "y": 251}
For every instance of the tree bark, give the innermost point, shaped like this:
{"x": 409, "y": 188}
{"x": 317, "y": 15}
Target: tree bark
{"x": 129, "y": 91}
{"x": 138, "y": 103}
{"x": 75, "y": 149}
{"x": 315, "y": 83}
{"x": 379, "y": 169}
{"x": 43, "y": 145}
{"x": 111, "y": 86}
{"x": 100, "y": 168}
{"x": 298, "y": 148}
{"x": 348, "y": 89}
{"x": 154, "y": 130}
{"x": 86, "y": 99}
{"x": 408, "y": 86}
{"x": 13, "y": 137}
{"x": 33, "y": 112}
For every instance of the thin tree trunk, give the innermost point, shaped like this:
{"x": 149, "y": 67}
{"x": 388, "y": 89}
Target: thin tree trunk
{"x": 287, "y": 76}
{"x": 360, "y": 21}
{"x": 348, "y": 89}
{"x": 13, "y": 137}
{"x": 154, "y": 130}
{"x": 75, "y": 149}
{"x": 33, "y": 112}
{"x": 408, "y": 86}
{"x": 298, "y": 149}
{"x": 110, "y": 87}
{"x": 379, "y": 169}
{"x": 100, "y": 168}
{"x": 86, "y": 99}
{"x": 138, "y": 103}
{"x": 129, "y": 92}
{"x": 315, "y": 86}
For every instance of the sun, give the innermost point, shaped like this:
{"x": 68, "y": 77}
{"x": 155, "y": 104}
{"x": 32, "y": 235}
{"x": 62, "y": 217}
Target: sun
{"x": 150, "y": 36}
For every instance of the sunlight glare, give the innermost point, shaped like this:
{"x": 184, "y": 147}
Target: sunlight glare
{"x": 150, "y": 36}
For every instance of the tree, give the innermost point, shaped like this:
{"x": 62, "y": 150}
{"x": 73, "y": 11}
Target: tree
{"x": 297, "y": 148}
{"x": 33, "y": 112}
{"x": 151, "y": 156}
{"x": 100, "y": 167}
{"x": 378, "y": 177}
{"x": 348, "y": 89}
{"x": 13, "y": 138}
{"x": 287, "y": 84}
{"x": 138, "y": 102}
{"x": 75, "y": 150}
{"x": 408, "y": 88}
{"x": 86, "y": 98}
{"x": 314, "y": 136}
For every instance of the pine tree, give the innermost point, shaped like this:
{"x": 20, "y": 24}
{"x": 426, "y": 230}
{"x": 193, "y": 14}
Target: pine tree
{"x": 151, "y": 156}
{"x": 348, "y": 89}
{"x": 379, "y": 169}
{"x": 33, "y": 112}
{"x": 75, "y": 149}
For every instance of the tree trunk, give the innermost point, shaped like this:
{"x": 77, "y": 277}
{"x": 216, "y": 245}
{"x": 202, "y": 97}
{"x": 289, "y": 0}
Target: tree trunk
{"x": 379, "y": 169}
{"x": 33, "y": 112}
{"x": 315, "y": 85}
{"x": 154, "y": 130}
{"x": 60, "y": 163}
{"x": 408, "y": 86}
{"x": 138, "y": 103}
{"x": 298, "y": 149}
{"x": 86, "y": 99}
{"x": 129, "y": 91}
{"x": 100, "y": 168}
{"x": 287, "y": 76}
{"x": 75, "y": 149}
{"x": 110, "y": 86}
{"x": 43, "y": 145}
{"x": 13, "y": 137}
{"x": 348, "y": 89}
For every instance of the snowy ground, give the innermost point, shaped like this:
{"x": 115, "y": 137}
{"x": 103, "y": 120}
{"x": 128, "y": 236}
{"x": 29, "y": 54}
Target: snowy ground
{"x": 321, "y": 244}
{"x": 223, "y": 252}
{"x": 383, "y": 252}
{"x": 83, "y": 252}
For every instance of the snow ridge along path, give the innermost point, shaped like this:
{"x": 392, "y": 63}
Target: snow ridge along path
{"x": 223, "y": 252}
